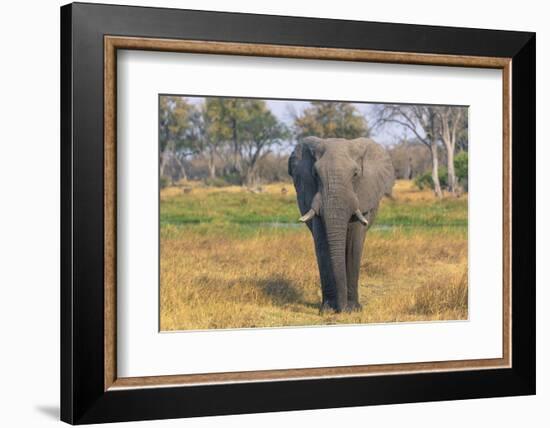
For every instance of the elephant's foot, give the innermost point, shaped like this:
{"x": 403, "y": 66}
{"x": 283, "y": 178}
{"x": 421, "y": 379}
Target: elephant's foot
{"x": 327, "y": 308}
{"x": 354, "y": 307}
{"x": 332, "y": 307}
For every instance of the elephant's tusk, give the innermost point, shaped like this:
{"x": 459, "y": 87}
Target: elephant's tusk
{"x": 361, "y": 217}
{"x": 308, "y": 216}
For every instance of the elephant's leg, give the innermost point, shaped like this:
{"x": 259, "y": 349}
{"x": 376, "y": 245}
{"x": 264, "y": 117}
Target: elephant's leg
{"x": 354, "y": 250}
{"x": 328, "y": 290}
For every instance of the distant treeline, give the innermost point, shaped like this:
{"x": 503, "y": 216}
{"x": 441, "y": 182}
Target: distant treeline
{"x": 234, "y": 138}
{"x": 433, "y": 128}
{"x": 240, "y": 141}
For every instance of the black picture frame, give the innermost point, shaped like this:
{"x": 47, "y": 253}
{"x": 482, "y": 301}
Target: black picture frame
{"x": 83, "y": 398}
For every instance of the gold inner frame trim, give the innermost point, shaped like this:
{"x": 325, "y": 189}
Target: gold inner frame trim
{"x": 113, "y": 43}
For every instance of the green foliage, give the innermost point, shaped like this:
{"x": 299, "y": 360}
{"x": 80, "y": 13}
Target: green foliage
{"x": 164, "y": 182}
{"x": 242, "y": 121}
{"x": 225, "y": 117}
{"x": 461, "y": 169}
{"x": 331, "y": 120}
{"x": 425, "y": 181}
{"x": 175, "y": 123}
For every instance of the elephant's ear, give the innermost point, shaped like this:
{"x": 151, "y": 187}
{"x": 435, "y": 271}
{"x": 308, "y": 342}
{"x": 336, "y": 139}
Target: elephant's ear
{"x": 291, "y": 162}
{"x": 377, "y": 171}
{"x": 305, "y": 152}
{"x": 314, "y": 145}
{"x": 300, "y": 167}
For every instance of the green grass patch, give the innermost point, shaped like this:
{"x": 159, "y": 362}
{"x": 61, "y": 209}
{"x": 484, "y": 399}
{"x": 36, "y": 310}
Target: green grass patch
{"x": 232, "y": 208}
{"x": 270, "y": 209}
{"x": 447, "y": 212}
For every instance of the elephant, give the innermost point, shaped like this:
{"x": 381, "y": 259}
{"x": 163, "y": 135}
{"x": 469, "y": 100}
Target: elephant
{"x": 339, "y": 184}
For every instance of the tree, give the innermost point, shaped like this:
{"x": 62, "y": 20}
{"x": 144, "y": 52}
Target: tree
{"x": 203, "y": 138}
{"x": 175, "y": 125}
{"x": 421, "y": 120}
{"x": 451, "y": 121}
{"x": 330, "y": 120}
{"x": 247, "y": 128}
{"x": 226, "y": 117}
{"x": 261, "y": 130}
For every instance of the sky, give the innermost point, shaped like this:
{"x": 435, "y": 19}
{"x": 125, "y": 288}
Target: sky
{"x": 282, "y": 109}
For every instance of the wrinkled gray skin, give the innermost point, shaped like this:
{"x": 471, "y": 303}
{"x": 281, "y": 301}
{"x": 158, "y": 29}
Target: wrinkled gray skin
{"x": 334, "y": 178}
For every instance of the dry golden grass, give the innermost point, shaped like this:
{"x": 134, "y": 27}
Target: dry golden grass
{"x": 403, "y": 190}
{"x": 406, "y": 191}
{"x": 199, "y": 188}
{"x": 216, "y": 277}
{"x": 233, "y": 283}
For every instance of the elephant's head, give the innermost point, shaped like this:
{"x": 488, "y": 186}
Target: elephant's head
{"x": 339, "y": 181}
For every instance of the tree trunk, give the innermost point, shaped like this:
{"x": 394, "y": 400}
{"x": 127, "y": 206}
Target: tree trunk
{"x": 435, "y": 170}
{"x": 250, "y": 180}
{"x": 182, "y": 173}
{"x": 162, "y": 165}
{"x": 451, "y": 177}
{"x": 163, "y": 162}
{"x": 212, "y": 166}
{"x": 449, "y": 123}
{"x": 235, "y": 137}
{"x": 212, "y": 171}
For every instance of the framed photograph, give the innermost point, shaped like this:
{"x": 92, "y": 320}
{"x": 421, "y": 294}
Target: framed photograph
{"x": 266, "y": 213}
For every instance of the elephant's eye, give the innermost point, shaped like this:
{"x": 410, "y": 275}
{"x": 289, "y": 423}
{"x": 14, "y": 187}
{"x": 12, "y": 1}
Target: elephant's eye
{"x": 355, "y": 172}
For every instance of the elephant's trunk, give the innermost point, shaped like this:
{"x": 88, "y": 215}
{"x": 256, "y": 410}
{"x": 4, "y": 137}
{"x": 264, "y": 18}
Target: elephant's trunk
{"x": 336, "y": 222}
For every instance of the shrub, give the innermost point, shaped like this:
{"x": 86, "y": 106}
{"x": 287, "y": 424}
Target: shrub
{"x": 425, "y": 180}
{"x": 217, "y": 182}
{"x": 461, "y": 169}
{"x": 233, "y": 178}
{"x": 433, "y": 299}
{"x": 164, "y": 182}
